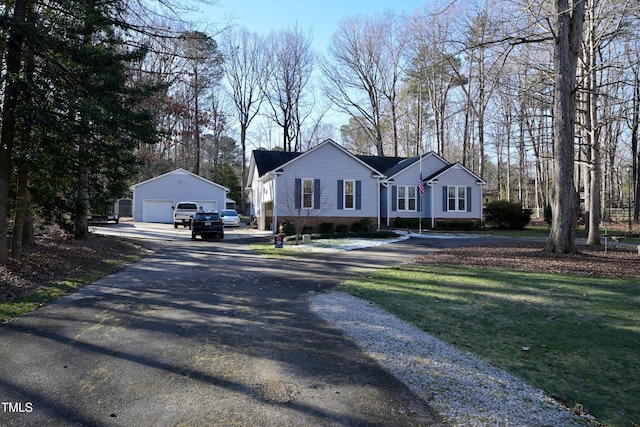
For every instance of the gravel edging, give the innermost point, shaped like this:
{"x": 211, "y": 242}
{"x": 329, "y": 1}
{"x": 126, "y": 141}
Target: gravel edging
{"x": 464, "y": 390}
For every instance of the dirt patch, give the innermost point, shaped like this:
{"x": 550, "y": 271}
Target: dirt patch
{"x": 530, "y": 256}
{"x": 55, "y": 258}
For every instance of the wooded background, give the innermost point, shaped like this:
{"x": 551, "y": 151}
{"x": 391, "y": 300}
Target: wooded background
{"x": 99, "y": 95}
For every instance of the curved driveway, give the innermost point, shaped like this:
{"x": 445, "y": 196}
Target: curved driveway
{"x": 202, "y": 333}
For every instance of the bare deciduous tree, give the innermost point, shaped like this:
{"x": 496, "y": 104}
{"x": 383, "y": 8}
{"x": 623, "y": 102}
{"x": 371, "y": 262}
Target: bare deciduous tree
{"x": 289, "y": 72}
{"x": 567, "y": 26}
{"x": 354, "y": 80}
{"x": 434, "y": 71}
{"x": 245, "y": 70}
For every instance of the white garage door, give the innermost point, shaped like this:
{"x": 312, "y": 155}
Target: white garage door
{"x": 157, "y": 211}
{"x": 207, "y": 205}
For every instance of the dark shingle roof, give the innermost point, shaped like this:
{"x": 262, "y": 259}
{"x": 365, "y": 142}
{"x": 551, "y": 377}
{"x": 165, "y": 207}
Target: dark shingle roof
{"x": 381, "y": 164}
{"x": 266, "y": 161}
{"x": 402, "y": 164}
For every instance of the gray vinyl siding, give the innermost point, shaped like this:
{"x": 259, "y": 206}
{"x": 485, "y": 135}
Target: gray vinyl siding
{"x": 430, "y": 165}
{"x": 329, "y": 164}
{"x": 410, "y": 177}
{"x": 178, "y": 187}
{"x": 459, "y": 178}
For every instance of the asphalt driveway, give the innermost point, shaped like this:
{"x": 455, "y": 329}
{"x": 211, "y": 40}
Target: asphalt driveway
{"x": 202, "y": 333}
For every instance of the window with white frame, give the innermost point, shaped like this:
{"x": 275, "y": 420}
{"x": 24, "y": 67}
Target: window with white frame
{"x": 457, "y": 199}
{"x": 407, "y": 198}
{"x": 307, "y": 193}
{"x": 349, "y": 194}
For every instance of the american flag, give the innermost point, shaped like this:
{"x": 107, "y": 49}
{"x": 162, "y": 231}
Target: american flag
{"x": 421, "y": 186}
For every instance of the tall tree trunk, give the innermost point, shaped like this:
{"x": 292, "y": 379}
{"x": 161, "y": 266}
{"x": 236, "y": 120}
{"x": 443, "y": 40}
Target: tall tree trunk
{"x": 522, "y": 170}
{"x": 21, "y": 211}
{"x": 10, "y": 102}
{"x": 81, "y": 221}
{"x": 568, "y": 36}
{"x": 28, "y": 239}
{"x": 243, "y": 171}
{"x": 466, "y": 150}
{"x": 196, "y": 169}
{"x": 25, "y": 143}
{"x": 592, "y": 129}
{"x": 635, "y": 150}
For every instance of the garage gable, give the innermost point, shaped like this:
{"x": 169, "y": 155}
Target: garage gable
{"x": 151, "y": 197}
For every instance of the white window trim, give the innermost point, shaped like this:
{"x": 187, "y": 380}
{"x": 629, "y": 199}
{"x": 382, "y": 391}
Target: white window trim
{"x": 457, "y": 198}
{"x": 302, "y": 201}
{"x": 407, "y": 198}
{"x": 344, "y": 194}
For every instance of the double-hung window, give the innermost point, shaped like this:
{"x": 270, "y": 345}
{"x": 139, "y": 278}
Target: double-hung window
{"x": 307, "y": 193}
{"x": 457, "y": 199}
{"x": 406, "y": 198}
{"x": 349, "y": 194}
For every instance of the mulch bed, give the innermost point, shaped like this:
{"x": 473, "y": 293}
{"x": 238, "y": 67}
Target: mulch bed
{"x": 55, "y": 258}
{"x": 530, "y": 256}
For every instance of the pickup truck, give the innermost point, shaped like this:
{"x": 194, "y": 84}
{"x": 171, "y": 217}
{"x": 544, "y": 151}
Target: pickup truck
{"x": 183, "y": 213}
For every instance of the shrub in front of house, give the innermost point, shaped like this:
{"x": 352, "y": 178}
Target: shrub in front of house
{"x": 326, "y": 227}
{"x": 288, "y": 228}
{"x": 412, "y": 223}
{"x": 405, "y": 223}
{"x": 381, "y": 234}
{"x": 460, "y": 225}
{"x": 364, "y": 225}
{"x": 508, "y": 215}
{"x": 342, "y": 228}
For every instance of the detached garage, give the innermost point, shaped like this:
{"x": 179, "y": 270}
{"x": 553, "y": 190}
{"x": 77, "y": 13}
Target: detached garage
{"x": 154, "y": 199}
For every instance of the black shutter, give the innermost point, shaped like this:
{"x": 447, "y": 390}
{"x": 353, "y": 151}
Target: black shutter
{"x": 298, "y": 195}
{"x": 394, "y": 198}
{"x": 445, "y": 198}
{"x": 316, "y": 194}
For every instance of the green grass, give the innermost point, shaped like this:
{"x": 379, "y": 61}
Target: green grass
{"x": 582, "y": 333}
{"x": 24, "y": 304}
{"x": 536, "y": 231}
{"x": 318, "y": 243}
{"x": 288, "y": 249}
{"x": 542, "y": 232}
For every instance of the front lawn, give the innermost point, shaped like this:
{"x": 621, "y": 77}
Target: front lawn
{"x": 324, "y": 245}
{"x": 578, "y": 338}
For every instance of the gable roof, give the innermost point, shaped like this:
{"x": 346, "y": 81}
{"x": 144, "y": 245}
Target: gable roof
{"x": 269, "y": 161}
{"x": 437, "y": 174}
{"x": 266, "y": 161}
{"x": 405, "y": 163}
{"x": 381, "y": 164}
{"x": 178, "y": 171}
{"x": 401, "y": 165}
